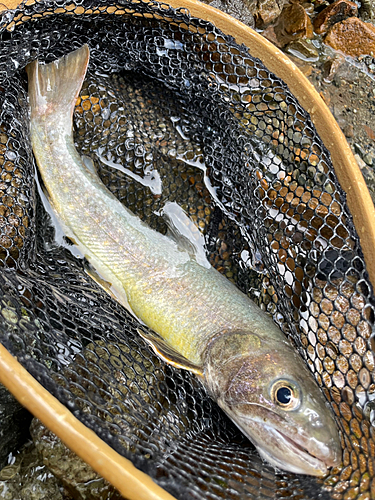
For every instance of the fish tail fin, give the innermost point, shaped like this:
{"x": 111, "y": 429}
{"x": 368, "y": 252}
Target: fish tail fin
{"x": 54, "y": 87}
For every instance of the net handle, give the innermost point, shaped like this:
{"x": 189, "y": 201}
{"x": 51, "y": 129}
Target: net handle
{"x": 132, "y": 483}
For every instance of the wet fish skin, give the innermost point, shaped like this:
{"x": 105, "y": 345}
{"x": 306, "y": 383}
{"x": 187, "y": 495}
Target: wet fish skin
{"x": 241, "y": 371}
{"x": 239, "y": 353}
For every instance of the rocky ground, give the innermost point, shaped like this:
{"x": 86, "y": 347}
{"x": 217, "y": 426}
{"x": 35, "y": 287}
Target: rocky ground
{"x": 350, "y": 94}
{"x": 333, "y": 43}
{"x": 45, "y": 469}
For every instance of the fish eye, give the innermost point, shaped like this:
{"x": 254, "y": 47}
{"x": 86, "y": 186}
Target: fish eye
{"x": 285, "y": 394}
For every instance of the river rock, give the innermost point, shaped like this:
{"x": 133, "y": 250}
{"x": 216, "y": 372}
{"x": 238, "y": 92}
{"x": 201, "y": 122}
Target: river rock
{"x": 334, "y": 13}
{"x": 369, "y": 176}
{"x": 263, "y": 12}
{"x": 370, "y": 132}
{"x": 78, "y": 478}
{"x": 237, "y": 9}
{"x": 26, "y": 478}
{"x": 367, "y": 10}
{"x": 331, "y": 67}
{"x": 14, "y": 425}
{"x": 303, "y": 49}
{"x": 353, "y": 37}
{"x": 321, "y": 3}
{"x": 293, "y": 24}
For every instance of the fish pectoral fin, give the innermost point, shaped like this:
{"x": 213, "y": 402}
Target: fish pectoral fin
{"x": 168, "y": 354}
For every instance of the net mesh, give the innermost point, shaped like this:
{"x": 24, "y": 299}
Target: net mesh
{"x": 174, "y": 110}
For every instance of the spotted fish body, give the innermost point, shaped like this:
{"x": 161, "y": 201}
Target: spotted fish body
{"x": 202, "y": 322}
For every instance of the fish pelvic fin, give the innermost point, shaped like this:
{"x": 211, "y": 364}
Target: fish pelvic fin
{"x": 185, "y": 232}
{"x": 167, "y": 353}
{"x": 54, "y": 87}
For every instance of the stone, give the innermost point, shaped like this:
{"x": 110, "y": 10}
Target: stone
{"x": 367, "y": 10}
{"x": 14, "y": 425}
{"x": 303, "y": 49}
{"x": 321, "y": 3}
{"x": 306, "y": 69}
{"x": 262, "y": 12}
{"x": 353, "y": 37}
{"x": 309, "y": 8}
{"x": 265, "y": 11}
{"x": 27, "y": 478}
{"x": 360, "y": 162}
{"x": 368, "y": 158}
{"x": 325, "y": 96}
{"x": 78, "y": 478}
{"x": 237, "y": 9}
{"x": 370, "y": 133}
{"x": 303, "y": 66}
{"x": 348, "y": 131}
{"x": 331, "y": 66}
{"x": 369, "y": 176}
{"x": 334, "y": 13}
{"x": 293, "y": 24}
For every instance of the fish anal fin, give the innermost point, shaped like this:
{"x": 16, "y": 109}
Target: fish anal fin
{"x": 168, "y": 354}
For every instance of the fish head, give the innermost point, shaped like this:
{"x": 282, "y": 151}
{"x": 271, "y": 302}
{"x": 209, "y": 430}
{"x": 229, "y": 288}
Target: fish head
{"x": 268, "y": 392}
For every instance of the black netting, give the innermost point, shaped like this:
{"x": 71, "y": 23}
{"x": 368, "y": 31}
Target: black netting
{"x": 180, "y": 105}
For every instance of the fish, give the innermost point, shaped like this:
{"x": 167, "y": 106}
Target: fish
{"x": 196, "y": 318}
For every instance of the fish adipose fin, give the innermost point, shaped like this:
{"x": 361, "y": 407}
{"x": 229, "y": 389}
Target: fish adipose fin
{"x": 168, "y": 353}
{"x": 54, "y": 88}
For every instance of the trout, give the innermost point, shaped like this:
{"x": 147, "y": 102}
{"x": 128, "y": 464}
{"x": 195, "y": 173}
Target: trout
{"x": 198, "y": 319}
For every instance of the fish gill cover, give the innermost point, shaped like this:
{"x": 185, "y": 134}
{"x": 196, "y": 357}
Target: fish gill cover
{"x": 190, "y": 117}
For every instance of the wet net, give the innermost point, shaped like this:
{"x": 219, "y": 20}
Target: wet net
{"x": 174, "y": 110}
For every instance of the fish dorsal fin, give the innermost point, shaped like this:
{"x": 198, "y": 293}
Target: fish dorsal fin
{"x": 185, "y": 233}
{"x": 168, "y": 354}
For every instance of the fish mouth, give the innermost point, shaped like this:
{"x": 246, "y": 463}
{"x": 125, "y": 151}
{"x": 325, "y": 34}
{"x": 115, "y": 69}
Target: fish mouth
{"x": 305, "y": 456}
{"x": 285, "y": 453}
{"x": 312, "y": 464}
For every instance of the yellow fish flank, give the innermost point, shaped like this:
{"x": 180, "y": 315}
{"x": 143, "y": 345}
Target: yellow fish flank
{"x": 202, "y": 322}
